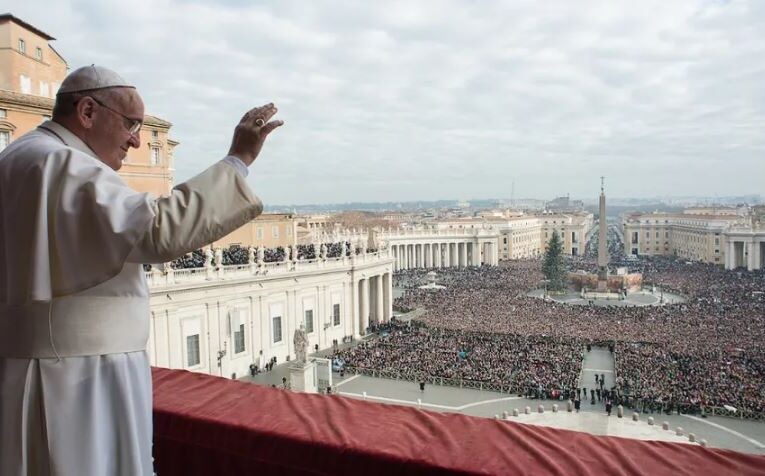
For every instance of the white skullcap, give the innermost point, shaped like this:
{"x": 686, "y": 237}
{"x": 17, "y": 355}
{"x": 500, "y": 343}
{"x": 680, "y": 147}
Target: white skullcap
{"x": 89, "y": 78}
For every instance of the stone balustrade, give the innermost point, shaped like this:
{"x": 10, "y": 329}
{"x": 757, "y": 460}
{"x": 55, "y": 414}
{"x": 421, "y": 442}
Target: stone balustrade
{"x": 171, "y": 277}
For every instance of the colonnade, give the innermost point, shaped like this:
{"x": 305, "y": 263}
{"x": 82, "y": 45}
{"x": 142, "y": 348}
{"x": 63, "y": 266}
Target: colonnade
{"x": 372, "y": 301}
{"x": 746, "y": 252}
{"x": 444, "y": 254}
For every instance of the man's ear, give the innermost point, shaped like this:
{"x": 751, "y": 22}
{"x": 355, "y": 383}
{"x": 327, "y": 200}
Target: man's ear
{"x": 86, "y": 112}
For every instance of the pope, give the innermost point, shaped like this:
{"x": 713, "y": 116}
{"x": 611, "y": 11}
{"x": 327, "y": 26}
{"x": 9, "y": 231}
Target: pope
{"x": 75, "y": 381}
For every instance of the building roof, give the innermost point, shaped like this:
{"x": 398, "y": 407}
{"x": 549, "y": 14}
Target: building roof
{"x": 41, "y": 102}
{"x": 8, "y": 17}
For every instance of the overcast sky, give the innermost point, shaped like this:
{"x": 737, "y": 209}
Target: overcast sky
{"x": 424, "y": 100}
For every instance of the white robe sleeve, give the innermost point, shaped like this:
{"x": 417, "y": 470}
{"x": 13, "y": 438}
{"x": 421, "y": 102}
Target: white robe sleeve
{"x": 198, "y": 212}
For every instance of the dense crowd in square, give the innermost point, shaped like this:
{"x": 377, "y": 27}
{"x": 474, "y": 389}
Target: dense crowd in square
{"x": 484, "y": 327}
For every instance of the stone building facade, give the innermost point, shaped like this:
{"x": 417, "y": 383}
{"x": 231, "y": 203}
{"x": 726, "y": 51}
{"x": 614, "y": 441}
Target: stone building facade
{"x": 726, "y": 238}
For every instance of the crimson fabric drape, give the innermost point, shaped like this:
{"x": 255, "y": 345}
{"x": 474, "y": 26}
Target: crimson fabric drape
{"x": 206, "y": 425}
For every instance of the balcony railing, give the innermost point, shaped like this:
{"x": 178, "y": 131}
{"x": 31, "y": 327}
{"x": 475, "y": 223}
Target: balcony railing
{"x": 205, "y": 425}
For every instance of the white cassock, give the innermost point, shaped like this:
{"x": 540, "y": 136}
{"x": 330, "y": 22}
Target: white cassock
{"x": 75, "y": 382}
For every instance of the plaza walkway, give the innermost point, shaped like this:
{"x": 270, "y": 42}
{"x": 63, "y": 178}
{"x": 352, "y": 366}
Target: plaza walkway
{"x": 600, "y": 361}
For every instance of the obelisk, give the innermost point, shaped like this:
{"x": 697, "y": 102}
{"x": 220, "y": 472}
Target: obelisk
{"x": 602, "y": 241}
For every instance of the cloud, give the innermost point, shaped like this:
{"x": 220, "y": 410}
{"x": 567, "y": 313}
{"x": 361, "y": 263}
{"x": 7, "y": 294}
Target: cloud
{"x": 408, "y": 100}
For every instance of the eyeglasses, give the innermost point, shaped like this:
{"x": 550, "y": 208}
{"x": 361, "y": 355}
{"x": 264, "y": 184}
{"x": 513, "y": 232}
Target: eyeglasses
{"x": 132, "y": 125}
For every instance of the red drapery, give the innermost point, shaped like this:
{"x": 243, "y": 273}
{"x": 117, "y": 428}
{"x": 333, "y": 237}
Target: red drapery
{"x": 206, "y": 425}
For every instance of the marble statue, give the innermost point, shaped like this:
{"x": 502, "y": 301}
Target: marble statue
{"x": 219, "y": 257}
{"x": 251, "y": 255}
{"x": 208, "y": 257}
{"x": 300, "y": 342}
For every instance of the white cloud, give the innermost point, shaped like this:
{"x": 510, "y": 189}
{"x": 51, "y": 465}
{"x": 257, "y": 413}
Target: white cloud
{"x": 415, "y": 100}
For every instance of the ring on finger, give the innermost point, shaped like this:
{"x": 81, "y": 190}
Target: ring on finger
{"x": 259, "y": 122}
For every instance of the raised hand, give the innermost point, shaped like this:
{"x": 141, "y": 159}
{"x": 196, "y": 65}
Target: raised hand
{"x": 251, "y": 133}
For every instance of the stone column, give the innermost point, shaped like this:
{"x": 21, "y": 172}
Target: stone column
{"x": 379, "y": 300}
{"x": 464, "y": 255}
{"x": 364, "y": 304}
{"x": 732, "y": 252}
{"x": 355, "y": 307}
{"x": 428, "y": 254}
{"x": 388, "y": 292}
{"x": 750, "y": 256}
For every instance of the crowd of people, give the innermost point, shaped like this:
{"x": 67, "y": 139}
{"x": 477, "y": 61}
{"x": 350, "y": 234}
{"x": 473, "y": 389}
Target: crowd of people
{"x": 238, "y": 255}
{"x": 706, "y": 351}
{"x": 519, "y": 364}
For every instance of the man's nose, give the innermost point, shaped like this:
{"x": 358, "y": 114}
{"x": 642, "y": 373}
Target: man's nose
{"x": 135, "y": 140}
